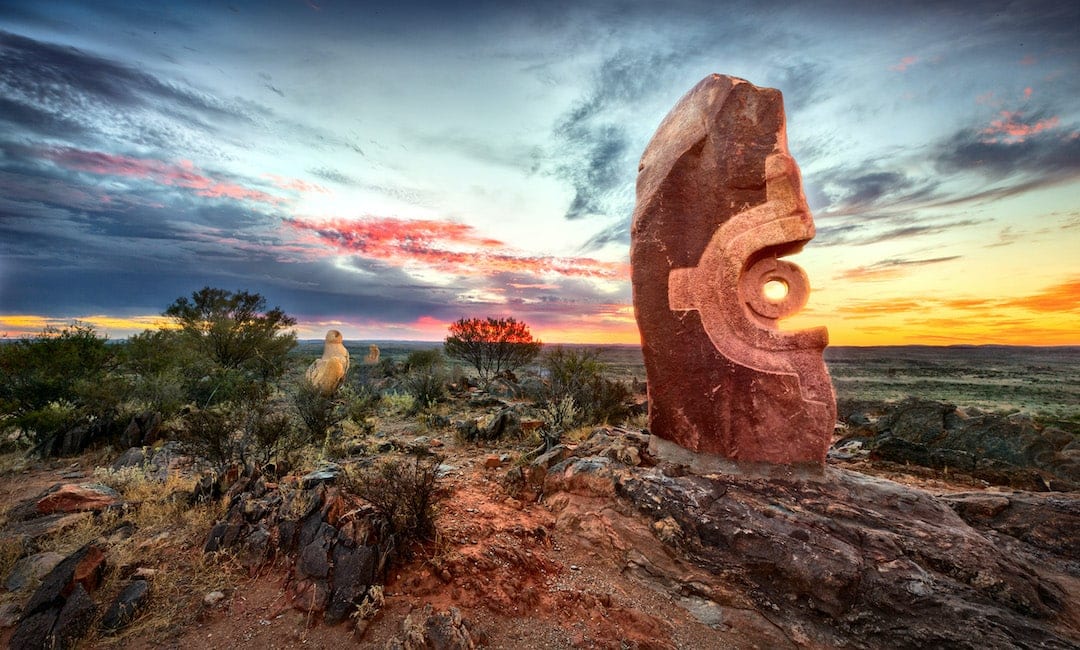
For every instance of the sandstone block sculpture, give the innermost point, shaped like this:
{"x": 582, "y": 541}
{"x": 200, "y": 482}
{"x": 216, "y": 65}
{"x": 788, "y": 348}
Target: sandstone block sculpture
{"x": 328, "y": 372}
{"x": 719, "y": 203}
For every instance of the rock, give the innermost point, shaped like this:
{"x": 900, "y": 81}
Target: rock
{"x": 85, "y": 567}
{"x": 144, "y": 429}
{"x": 24, "y": 532}
{"x": 31, "y": 568}
{"x": 354, "y": 573}
{"x": 327, "y": 473}
{"x": 491, "y": 461}
{"x": 77, "y": 498}
{"x": 1006, "y": 450}
{"x": 503, "y": 389}
{"x": 74, "y": 619}
{"x": 327, "y": 373}
{"x": 505, "y": 423}
{"x": 719, "y": 199}
{"x": 34, "y": 631}
{"x": 213, "y": 598}
{"x": 127, "y": 605}
{"x": 426, "y": 630}
{"x": 837, "y": 559}
{"x": 9, "y": 614}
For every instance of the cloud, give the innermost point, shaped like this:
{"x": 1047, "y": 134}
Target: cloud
{"x": 446, "y": 247}
{"x": 57, "y": 90}
{"x": 1064, "y": 297}
{"x": 904, "y": 63}
{"x": 332, "y": 175}
{"x": 595, "y": 156}
{"x": 888, "y": 269}
{"x": 1012, "y": 129}
{"x": 1033, "y": 152}
{"x": 183, "y": 174}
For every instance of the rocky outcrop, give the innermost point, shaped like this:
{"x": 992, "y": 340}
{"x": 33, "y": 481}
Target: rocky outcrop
{"x": 829, "y": 560}
{"x": 997, "y": 448}
{"x": 338, "y": 548}
{"x": 60, "y": 611}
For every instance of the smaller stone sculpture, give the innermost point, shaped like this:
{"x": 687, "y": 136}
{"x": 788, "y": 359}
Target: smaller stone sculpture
{"x": 328, "y": 372}
{"x": 372, "y": 356}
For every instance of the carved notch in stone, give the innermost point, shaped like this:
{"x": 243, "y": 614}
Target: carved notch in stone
{"x": 719, "y": 202}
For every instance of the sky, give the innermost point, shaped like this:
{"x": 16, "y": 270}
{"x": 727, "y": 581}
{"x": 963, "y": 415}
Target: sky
{"x": 387, "y": 168}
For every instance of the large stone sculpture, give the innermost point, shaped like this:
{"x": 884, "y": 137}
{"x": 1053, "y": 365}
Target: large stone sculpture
{"x": 719, "y": 202}
{"x": 328, "y": 372}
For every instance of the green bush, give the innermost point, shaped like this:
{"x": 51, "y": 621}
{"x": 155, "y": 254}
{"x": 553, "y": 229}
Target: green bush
{"x": 50, "y": 367}
{"x": 424, "y": 360}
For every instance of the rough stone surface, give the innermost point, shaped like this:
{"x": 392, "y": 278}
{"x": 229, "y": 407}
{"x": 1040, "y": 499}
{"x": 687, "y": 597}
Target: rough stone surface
{"x": 127, "y": 605}
{"x": 1006, "y": 450}
{"x": 84, "y": 568}
{"x": 337, "y": 547}
{"x": 31, "y": 568}
{"x": 71, "y": 497}
{"x": 719, "y": 201}
{"x": 837, "y": 560}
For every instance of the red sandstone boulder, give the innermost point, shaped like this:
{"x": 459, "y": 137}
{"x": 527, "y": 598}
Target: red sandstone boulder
{"x": 77, "y": 498}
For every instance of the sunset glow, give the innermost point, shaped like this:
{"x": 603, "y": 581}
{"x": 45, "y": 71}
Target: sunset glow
{"x": 385, "y": 172}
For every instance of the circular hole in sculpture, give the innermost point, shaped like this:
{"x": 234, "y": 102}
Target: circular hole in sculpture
{"x": 775, "y": 290}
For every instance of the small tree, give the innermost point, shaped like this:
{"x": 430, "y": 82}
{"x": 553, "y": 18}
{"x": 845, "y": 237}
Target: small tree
{"x": 491, "y": 345}
{"x": 235, "y": 330}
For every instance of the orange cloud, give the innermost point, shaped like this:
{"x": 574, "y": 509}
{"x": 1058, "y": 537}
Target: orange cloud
{"x": 183, "y": 174}
{"x": 445, "y": 246}
{"x": 905, "y": 63}
{"x": 1014, "y": 129}
{"x": 1064, "y": 297}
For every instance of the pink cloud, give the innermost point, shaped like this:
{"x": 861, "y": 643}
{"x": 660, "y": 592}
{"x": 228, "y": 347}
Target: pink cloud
{"x": 1028, "y": 60}
{"x": 905, "y": 63}
{"x": 1027, "y": 92}
{"x": 445, "y": 246}
{"x": 182, "y": 174}
{"x": 1013, "y": 129}
{"x": 296, "y": 184}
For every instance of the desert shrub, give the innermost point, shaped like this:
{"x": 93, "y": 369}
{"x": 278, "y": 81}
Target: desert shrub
{"x": 558, "y": 416}
{"x": 210, "y": 434}
{"x": 317, "y": 411}
{"x": 360, "y": 401}
{"x": 48, "y": 367}
{"x": 268, "y": 433}
{"x": 166, "y": 372}
{"x": 491, "y": 345}
{"x": 404, "y": 492}
{"x": 235, "y": 330}
{"x": 395, "y": 403}
{"x": 427, "y": 387}
{"x": 59, "y": 381}
{"x": 579, "y": 374}
{"x": 421, "y": 360}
